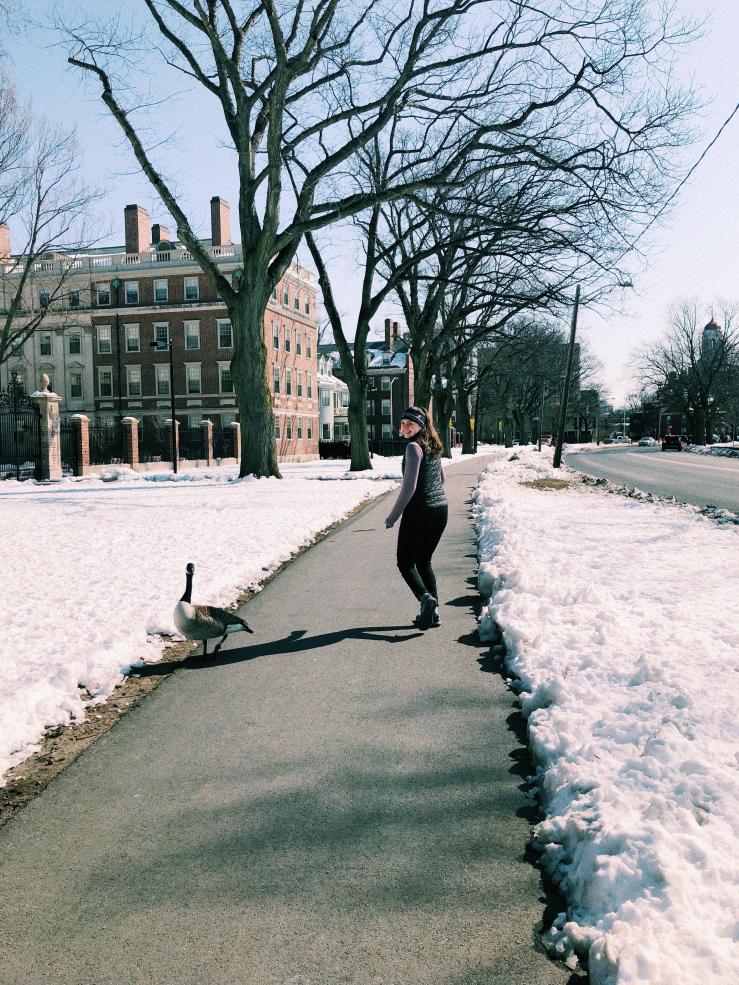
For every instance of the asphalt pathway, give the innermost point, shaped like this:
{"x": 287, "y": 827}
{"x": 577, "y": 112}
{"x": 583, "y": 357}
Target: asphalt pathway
{"x": 336, "y": 800}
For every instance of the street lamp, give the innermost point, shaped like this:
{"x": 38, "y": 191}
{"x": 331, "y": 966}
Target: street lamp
{"x": 162, "y": 345}
{"x": 115, "y": 284}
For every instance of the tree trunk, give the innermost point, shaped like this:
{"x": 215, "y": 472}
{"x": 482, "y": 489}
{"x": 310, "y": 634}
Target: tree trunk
{"x": 421, "y": 382}
{"x": 359, "y": 446}
{"x": 700, "y": 426}
{"x": 443, "y": 406}
{"x": 464, "y": 422}
{"x": 251, "y": 386}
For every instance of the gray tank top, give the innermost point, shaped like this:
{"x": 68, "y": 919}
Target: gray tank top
{"x": 429, "y": 487}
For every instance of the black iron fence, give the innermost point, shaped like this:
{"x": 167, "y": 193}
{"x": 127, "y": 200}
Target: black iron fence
{"x": 106, "y": 444}
{"x": 20, "y": 434}
{"x": 192, "y": 443}
{"x": 223, "y": 442}
{"x": 154, "y": 441}
{"x": 387, "y": 446}
{"x": 68, "y": 446}
{"x": 334, "y": 449}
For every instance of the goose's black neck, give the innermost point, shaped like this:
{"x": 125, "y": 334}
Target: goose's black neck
{"x": 188, "y": 589}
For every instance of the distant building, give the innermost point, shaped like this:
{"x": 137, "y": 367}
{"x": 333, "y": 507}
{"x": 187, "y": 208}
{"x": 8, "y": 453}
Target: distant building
{"x": 97, "y": 346}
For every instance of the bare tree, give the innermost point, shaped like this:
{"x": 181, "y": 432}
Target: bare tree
{"x": 690, "y": 366}
{"x": 43, "y": 200}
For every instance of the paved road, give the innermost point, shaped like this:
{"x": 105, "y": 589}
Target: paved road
{"x": 700, "y": 479}
{"x": 338, "y": 801}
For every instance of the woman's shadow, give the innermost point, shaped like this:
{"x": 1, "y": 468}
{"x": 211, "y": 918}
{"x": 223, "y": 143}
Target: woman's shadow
{"x": 296, "y": 642}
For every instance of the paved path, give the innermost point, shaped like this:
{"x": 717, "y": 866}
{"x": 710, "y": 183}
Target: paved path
{"x": 336, "y": 802}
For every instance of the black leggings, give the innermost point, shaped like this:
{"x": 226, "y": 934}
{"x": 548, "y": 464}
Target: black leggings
{"x": 419, "y": 534}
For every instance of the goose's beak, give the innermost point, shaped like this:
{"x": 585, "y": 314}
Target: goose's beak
{"x": 248, "y": 628}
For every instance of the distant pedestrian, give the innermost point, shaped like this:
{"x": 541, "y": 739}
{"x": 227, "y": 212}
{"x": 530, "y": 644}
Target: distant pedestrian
{"x": 423, "y": 504}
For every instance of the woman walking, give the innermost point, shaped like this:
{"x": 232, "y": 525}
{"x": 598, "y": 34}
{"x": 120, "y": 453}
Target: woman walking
{"x": 423, "y": 504}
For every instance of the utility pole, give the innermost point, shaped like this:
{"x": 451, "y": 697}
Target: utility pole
{"x": 566, "y": 389}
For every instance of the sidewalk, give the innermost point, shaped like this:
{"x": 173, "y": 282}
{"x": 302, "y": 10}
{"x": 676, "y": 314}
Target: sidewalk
{"x": 335, "y": 802}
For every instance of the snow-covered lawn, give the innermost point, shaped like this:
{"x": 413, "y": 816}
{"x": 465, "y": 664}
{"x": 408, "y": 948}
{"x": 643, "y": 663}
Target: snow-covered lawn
{"x": 92, "y": 568}
{"x": 621, "y": 621}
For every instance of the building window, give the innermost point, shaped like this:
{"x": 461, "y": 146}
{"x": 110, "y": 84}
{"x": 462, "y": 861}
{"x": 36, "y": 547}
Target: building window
{"x": 298, "y": 343}
{"x": 344, "y": 398}
{"x": 225, "y": 383}
{"x": 287, "y": 338}
{"x": 285, "y": 295}
{"x": 133, "y": 381}
{"x": 309, "y": 381}
{"x": 74, "y": 299}
{"x": 276, "y": 377}
{"x": 310, "y": 429}
{"x": 161, "y": 335}
{"x": 132, "y": 292}
{"x": 102, "y": 293}
{"x": 386, "y": 408}
{"x": 386, "y": 383}
{"x": 308, "y": 347}
{"x": 192, "y": 371}
{"x": 289, "y": 428}
{"x": 192, "y": 334}
{"x": 193, "y": 420}
{"x": 225, "y": 335}
{"x": 75, "y": 384}
{"x": 387, "y": 431}
{"x": 133, "y": 339}
{"x": 300, "y": 428}
{"x": 307, "y": 306}
{"x": 105, "y": 382}
{"x": 43, "y": 300}
{"x": 326, "y": 432}
{"x": 275, "y": 335}
{"x": 161, "y": 290}
{"x": 369, "y": 408}
{"x": 274, "y": 293}
{"x": 288, "y": 382}
{"x": 296, "y": 301}
{"x": 104, "y": 343}
{"x": 75, "y": 344}
{"x": 192, "y": 289}
{"x": 325, "y": 398}
{"x": 161, "y": 379}
{"x": 277, "y": 427}
{"x": 44, "y": 344}
{"x": 299, "y": 383}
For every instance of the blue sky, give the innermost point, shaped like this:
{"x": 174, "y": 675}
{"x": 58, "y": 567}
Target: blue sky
{"x": 695, "y": 249}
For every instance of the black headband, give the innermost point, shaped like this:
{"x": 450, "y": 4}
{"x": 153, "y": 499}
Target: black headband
{"x": 417, "y": 416}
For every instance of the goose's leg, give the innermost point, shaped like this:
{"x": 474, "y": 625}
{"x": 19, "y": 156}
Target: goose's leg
{"x": 205, "y": 648}
{"x": 220, "y": 643}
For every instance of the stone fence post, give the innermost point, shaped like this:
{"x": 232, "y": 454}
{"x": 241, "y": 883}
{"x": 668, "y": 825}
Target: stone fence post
{"x": 51, "y": 448}
{"x": 81, "y": 438}
{"x": 206, "y": 433}
{"x": 237, "y": 439}
{"x": 130, "y": 439}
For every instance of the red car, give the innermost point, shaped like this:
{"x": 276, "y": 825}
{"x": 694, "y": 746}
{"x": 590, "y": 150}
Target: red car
{"x": 672, "y": 442}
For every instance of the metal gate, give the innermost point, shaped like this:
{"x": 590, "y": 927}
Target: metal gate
{"x": 20, "y": 433}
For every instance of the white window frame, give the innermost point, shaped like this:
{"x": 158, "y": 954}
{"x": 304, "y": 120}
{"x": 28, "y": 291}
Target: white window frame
{"x": 73, "y": 300}
{"x": 78, "y": 337}
{"x": 129, "y": 285}
{"x": 76, "y": 371}
{"x": 307, "y": 306}
{"x": 131, "y": 373}
{"x": 103, "y": 287}
{"x": 387, "y": 431}
{"x": 386, "y": 408}
{"x": 286, "y": 295}
{"x": 369, "y": 408}
{"x": 161, "y": 324}
{"x": 308, "y": 347}
{"x": 326, "y": 429}
{"x": 43, "y": 339}
{"x": 300, "y": 429}
{"x": 275, "y": 335}
{"x": 189, "y": 282}
{"x": 309, "y": 429}
{"x": 104, "y": 334}
{"x": 161, "y": 379}
{"x": 309, "y": 385}
{"x": 198, "y": 376}
{"x": 105, "y": 370}
{"x": 298, "y": 343}
{"x": 132, "y": 335}
{"x": 289, "y": 428}
{"x": 296, "y": 300}
{"x": 224, "y": 366}
{"x": 219, "y": 324}
{"x": 325, "y": 398}
{"x": 385, "y": 383}
{"x": 288, "y": 382}
{"x": 276, "y": 378}
{"x": 298, "y": 383}
{"x": 188, "y": 327}
{"x": 288, "y": 338}
{"x": 277, "y": 426}
{"x": 157, "y": 286}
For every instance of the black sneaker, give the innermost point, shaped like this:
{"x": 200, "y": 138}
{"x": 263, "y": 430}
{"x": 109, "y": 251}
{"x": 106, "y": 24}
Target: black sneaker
{"x": 426, "y": 615}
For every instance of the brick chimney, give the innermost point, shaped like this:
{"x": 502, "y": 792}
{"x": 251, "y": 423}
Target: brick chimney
{"x": 159, "y": 233}
{"x": 4, "y": 242}
{"x": 395, "y": 335}
{"x": 136, "y": 222}
{"x": 220, "y": 221}
{"x": 387, "y": 333}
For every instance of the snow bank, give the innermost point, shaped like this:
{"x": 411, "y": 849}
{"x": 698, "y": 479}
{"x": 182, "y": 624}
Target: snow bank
{"x": 621, "y": 621}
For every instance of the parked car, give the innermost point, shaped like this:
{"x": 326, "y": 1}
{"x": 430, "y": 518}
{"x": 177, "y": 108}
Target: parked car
{"x": 672, "y": 442}
{"x": 619, "y": 439}
{"x": 647, "y": 442}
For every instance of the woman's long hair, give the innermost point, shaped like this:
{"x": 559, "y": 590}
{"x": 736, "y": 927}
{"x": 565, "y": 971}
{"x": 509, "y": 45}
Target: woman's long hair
{"x": 428, "y": 437}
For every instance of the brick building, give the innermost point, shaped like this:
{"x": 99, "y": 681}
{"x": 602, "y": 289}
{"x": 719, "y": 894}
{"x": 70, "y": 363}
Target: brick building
{"x": 152, "y": 291}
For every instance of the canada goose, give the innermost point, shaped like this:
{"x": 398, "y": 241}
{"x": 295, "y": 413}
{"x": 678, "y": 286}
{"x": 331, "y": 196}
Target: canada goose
{"x": 205, "y": 622}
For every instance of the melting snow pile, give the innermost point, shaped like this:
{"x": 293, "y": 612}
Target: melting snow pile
{"x": 621, "y": 621}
